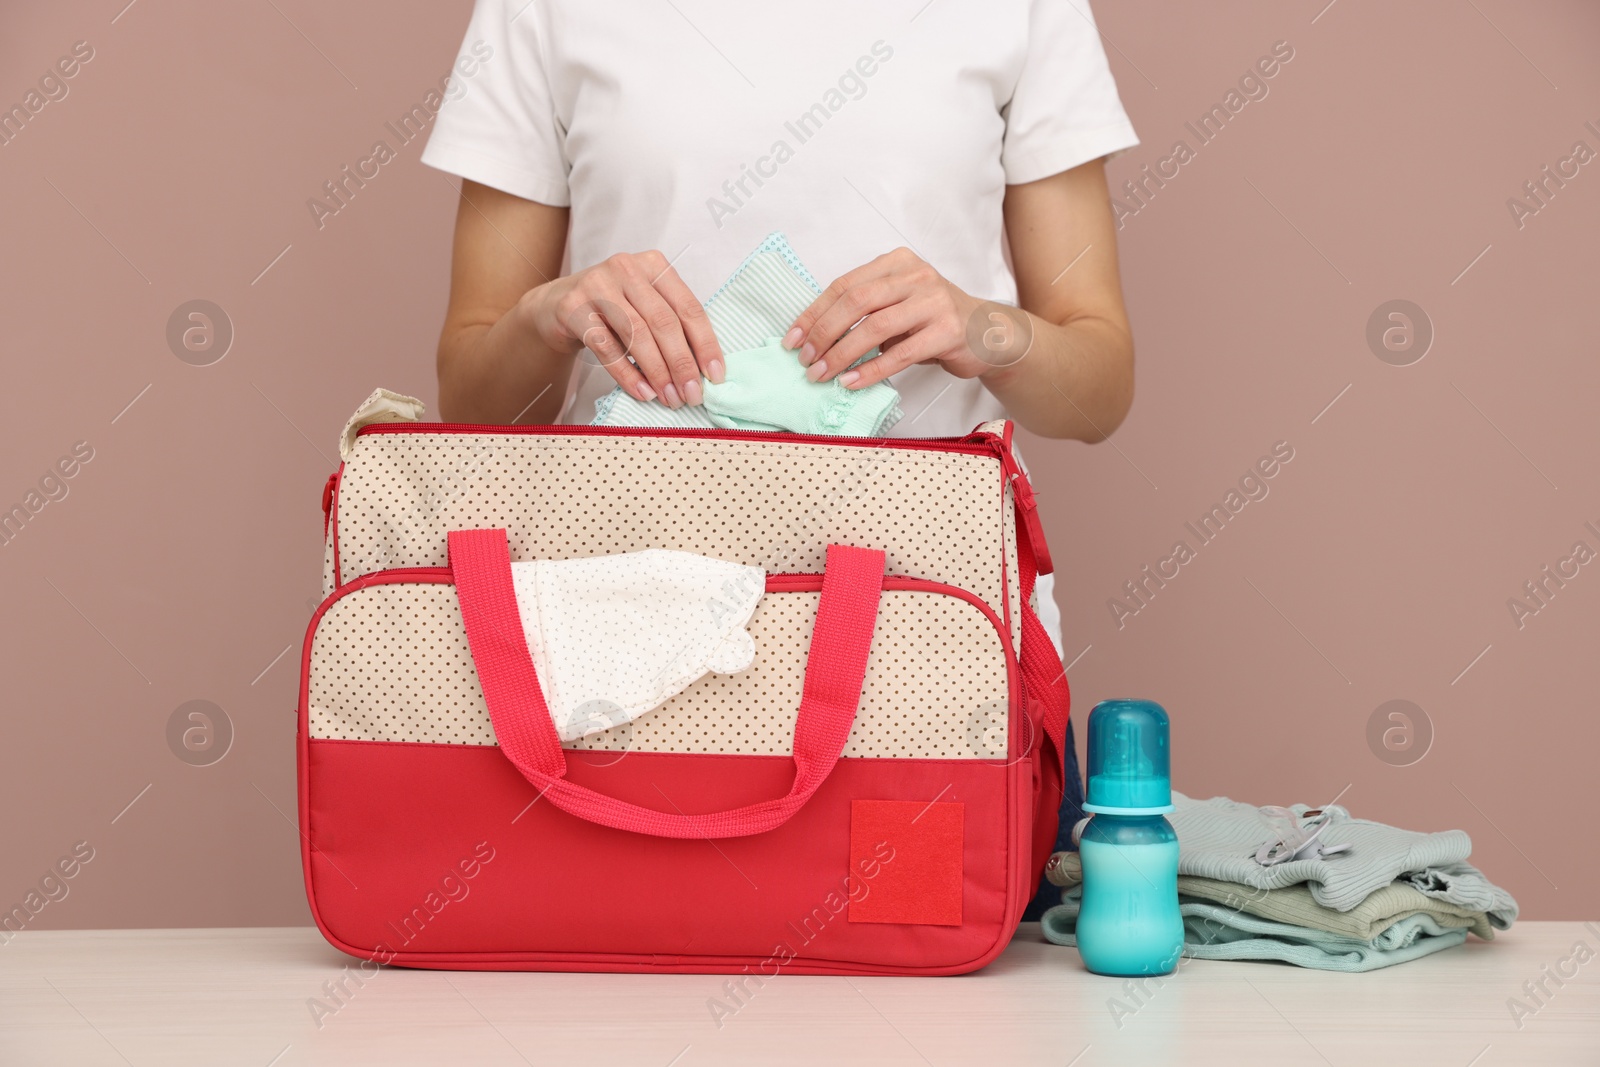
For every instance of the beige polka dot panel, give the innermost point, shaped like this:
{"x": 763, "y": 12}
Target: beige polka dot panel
{"x": 327, "y": 564}
{"x": 390, "y": 662}
{"x": 1008, "y": 535}
{"x": 771, "y": 504}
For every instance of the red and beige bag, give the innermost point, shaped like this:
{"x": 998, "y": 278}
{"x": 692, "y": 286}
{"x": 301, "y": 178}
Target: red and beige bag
{"x": 875, "y": 794}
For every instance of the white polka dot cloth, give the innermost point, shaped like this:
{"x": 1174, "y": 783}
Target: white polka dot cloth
{"x": 616, "y": 636}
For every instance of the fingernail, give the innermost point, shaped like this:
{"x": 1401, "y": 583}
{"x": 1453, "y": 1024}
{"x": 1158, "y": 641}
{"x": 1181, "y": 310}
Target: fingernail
{"x": 816, "y": 371}
{"x": 849, "y": 378}
{"x": 671, "y": 396}
{"x": 691, "y": 391}
{"x": 714, "y": 371}
{"x": 792, "y": 338}
{"x": 646, "y": 393}
{"x": 807, "y": 354}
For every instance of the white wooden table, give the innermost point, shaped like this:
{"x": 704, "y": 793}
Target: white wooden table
{"x": 215, "y": 997}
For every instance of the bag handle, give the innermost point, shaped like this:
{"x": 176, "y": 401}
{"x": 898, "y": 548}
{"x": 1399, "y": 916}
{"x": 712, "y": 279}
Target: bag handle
{"x": 480, "y": 562}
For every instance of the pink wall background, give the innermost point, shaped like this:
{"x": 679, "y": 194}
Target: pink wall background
{"x": 183, "y": 561}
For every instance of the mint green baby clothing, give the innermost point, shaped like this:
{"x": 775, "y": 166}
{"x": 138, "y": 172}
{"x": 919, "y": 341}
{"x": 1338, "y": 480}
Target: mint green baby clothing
{"x": 1294, "y": 905}
{"x": 1218, "y": 838}
{"x": 1389, "y": 896}
{"x": 1215, "y": 932}
{"x": 764, "y": 386}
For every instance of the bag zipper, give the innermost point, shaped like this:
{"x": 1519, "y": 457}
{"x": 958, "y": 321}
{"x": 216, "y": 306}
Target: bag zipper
{"x": 968, "y": 443}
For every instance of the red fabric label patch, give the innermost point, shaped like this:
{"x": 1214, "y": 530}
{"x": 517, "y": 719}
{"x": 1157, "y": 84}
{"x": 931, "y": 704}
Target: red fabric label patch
{"x": 907, "y": 855}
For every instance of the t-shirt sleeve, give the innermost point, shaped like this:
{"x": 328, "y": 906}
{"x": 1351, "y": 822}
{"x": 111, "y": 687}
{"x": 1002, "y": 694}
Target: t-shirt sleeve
{"x": 1064, "y": 110}
{"x": 498, "y": 125}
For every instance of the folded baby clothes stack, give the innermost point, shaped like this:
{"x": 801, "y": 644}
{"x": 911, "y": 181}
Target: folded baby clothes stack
{"x": 764, "y": 385}
{"x": 1219, "y": 838}
{"x": 1362, "y": 896}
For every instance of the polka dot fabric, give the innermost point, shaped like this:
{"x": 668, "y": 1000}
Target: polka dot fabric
{"x": 327, "y": 564}
{"x": 1008, "y": 535}
{"x": 390, "y": 662}
{"x": 770, "y": 504}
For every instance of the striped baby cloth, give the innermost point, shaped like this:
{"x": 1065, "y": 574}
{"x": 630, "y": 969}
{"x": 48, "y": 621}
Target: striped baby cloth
{"x": 764, "y": 386}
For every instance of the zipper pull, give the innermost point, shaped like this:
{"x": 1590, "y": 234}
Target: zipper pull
{"x": 327, "y": 501}
{"x": 1028, "y": 507}
{"x": 1021, "y": 493}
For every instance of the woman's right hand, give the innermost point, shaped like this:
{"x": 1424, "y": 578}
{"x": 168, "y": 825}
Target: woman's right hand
{"x": 640, "y": 320}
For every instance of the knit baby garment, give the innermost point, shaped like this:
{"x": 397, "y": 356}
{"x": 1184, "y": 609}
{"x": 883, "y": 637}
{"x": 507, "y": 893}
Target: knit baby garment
{"x": 613, "y": 637}
{"x": 1214, "y": 931}
{"x": 764, "y": 385}
{"x": 1293, "y": 905}
{"x": 1218, "y": 838}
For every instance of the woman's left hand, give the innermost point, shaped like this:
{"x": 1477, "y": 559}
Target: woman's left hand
{"x": 898, "y": 303}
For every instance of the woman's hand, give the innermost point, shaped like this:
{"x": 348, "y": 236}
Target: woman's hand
{"x": 639, "y": 319}
{"x": 902, "y": 305}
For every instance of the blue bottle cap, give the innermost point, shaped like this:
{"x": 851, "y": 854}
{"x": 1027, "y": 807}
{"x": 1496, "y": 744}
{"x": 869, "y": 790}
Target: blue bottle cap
{"x": 1130, "y": 764}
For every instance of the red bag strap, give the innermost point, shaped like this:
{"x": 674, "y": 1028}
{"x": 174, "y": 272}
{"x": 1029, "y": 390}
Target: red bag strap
{"x": 1044, "y": 683}
{"x": 1042, "y": 676}
{"x": 836, "y": 664}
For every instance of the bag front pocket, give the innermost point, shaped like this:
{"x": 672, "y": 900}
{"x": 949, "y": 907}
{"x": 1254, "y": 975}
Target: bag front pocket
{"x": 402, "y": 782}
{"x": 388, "y": 660}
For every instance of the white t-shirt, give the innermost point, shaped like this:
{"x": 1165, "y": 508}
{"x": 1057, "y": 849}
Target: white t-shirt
{"x": 698, "y": 127}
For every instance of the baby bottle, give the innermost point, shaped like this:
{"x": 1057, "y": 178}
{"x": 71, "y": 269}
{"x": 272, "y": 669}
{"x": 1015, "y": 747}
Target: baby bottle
{"x": 1129, "y": 924}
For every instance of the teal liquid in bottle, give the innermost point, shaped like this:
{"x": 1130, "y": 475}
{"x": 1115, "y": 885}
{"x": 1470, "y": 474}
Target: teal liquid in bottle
{"x": 1129, "y": 924}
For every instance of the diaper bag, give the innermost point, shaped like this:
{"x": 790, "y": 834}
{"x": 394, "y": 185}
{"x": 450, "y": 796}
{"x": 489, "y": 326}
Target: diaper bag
{"x": 876, "y": 793}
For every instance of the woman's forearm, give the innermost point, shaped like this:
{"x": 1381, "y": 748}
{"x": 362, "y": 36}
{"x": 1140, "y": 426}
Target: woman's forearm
{"x": 502, "y": 371}
{"x": 497, "y": 362}
{"x": 514, "y": 328}
{"x": 1075, "y": 380}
